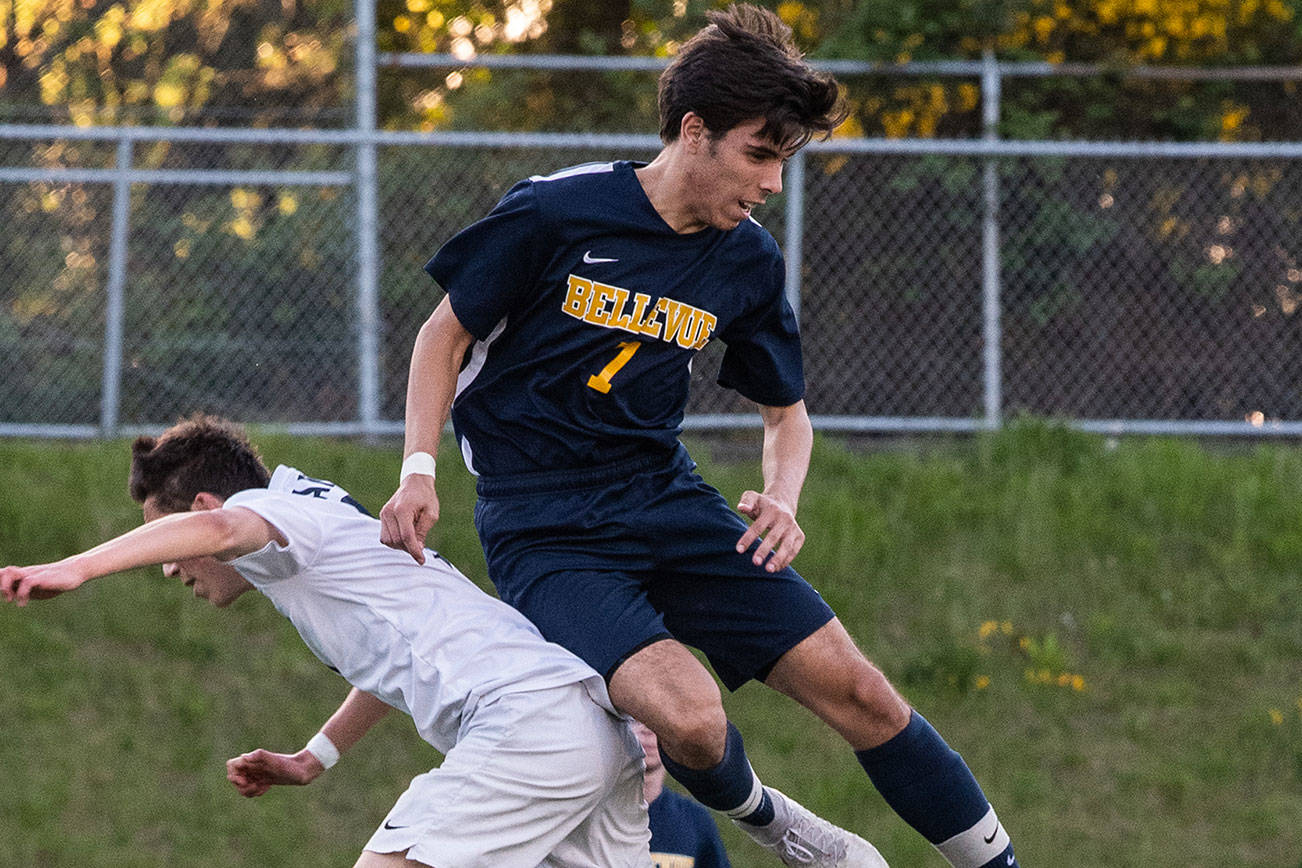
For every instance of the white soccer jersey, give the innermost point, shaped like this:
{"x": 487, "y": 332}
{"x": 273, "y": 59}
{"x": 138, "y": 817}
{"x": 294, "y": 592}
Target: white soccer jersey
{"x": 423, "y": 639}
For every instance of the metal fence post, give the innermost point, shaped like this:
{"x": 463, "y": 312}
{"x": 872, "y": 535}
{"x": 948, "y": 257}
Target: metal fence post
{"x": 795, "y": 234}
{"x": 991, "y": 330}
{"x": 367, "y": 193}
{"x": 115, "y": 290}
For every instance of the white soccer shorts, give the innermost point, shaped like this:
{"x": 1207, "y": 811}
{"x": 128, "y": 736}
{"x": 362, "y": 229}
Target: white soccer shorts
{"x": 542, "y": 779}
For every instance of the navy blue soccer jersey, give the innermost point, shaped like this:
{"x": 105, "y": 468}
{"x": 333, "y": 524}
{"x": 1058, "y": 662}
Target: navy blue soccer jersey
{"x": 587, "y": 309}
{"x": 683, "y": 834}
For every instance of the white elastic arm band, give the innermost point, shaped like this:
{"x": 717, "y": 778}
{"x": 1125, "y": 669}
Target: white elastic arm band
{"x": 321, "y": 747}
{"x": 417, "y": 462}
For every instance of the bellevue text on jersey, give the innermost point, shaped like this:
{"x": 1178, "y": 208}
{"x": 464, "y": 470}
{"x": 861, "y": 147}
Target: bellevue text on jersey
{"x": 616, "y": 308}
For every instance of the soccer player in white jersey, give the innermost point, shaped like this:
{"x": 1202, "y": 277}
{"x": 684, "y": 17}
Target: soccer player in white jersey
{"x": 539, "y": 769}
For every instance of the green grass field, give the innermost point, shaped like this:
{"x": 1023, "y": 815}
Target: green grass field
{"x": 1111, "y": 634}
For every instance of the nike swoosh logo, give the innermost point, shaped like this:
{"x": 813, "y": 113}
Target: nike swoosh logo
{"x": 388, "y": 825}
{"x": 991, "y": 839}
{"x": 593, "y": 260}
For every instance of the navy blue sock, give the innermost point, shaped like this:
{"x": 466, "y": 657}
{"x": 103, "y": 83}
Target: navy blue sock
{"x": 731, "y": 787}
{"x": 927, "y": 783}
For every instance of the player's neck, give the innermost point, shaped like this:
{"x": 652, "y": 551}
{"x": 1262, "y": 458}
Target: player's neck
{"x": 666, "y": 186}
{"x": 653, "y": 785}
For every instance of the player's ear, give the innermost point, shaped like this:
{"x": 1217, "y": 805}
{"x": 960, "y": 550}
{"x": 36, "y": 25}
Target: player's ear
{"x": 692, "y": 130}
{"x": 206, "y": 500}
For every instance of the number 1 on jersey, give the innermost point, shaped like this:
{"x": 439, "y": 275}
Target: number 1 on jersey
{"x": 601, "y": 381}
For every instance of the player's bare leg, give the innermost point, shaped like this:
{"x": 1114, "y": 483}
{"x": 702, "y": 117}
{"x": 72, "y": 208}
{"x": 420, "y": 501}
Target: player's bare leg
{"x": 371, "y": 859}
{"x": 918, "y": 774}
{"x": 668, "y": 689}
{"x": 829, "y": 675}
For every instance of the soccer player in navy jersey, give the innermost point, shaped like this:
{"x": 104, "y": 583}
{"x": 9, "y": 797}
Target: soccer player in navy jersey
{"x": 562, "y": 352}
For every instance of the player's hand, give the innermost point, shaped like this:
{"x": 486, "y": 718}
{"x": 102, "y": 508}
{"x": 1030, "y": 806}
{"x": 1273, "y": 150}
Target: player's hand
{"x": 256, "y": 772}
{"x": 406, "y": 519}
{"x": 773, "y": 523}
{"x": 40, "y": 582}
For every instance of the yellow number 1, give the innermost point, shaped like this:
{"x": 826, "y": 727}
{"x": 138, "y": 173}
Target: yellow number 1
{"x": 601, "y": 382}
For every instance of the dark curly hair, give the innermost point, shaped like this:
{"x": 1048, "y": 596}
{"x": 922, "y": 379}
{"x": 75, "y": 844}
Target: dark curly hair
{"x": 743, "y": 65}
{"x": 198, "y": 453}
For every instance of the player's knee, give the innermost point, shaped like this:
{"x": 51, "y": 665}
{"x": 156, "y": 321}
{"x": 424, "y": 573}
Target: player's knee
{"x": 695, "y": 734}
{"x": 873, "y": 704}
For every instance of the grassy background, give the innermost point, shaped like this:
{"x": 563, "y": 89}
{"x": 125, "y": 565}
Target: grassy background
{"x": 1111, "y": 634}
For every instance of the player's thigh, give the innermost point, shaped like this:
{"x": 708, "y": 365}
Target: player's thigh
{"x": 829, "y": 675}
{"x": 665, "y": 687}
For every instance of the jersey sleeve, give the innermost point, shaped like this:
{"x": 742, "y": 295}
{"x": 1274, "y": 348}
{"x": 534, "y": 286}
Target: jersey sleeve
{"x": 296, "y": 524}
{"x": 763, "y": 359}
{"x": 488, "y": 267}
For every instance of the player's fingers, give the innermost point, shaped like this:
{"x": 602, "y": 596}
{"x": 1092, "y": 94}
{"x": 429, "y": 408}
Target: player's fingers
{"x": 253, "y": 762}
{"x": 771, "y": 542}
{"x": 413, "y": 543}
{"x": 792, "y": 540}
{"x": 389, "y": 534}
{"x": 747, "y": 539}
{"x": 748, "y": 505}
{"x": 765, "y": 529}
{"x": 22, "y": 591}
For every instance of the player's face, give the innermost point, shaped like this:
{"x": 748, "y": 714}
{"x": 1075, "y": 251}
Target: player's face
{"x": 735, "y": 173}
{"x": 650, "y": 745}
{"x": 212, "y": 580}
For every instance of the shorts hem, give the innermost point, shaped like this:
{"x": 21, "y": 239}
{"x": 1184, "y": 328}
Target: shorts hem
{"x": 762, "y": 673}
{"x": 651, "y": 640}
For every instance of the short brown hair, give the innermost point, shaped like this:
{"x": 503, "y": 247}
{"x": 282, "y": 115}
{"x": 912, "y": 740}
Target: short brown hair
{"x": 744, "y": 64}
{"x": 198, "y": 453}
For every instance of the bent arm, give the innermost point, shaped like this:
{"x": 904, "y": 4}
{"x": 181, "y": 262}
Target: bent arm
{"x": 354, "y": 718}
{"x": 431, "y": 385}
{"x": 788, "y": 442}
{"x": 256, "y": 772}
{"x": 222, "y": 533}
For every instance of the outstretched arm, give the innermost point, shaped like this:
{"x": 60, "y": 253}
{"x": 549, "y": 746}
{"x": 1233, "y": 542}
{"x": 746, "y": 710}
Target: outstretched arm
{"x": 788, "y": 440}
{"x": 431, "y": 385}
{"x": 256, "y": 772}
{"x": 223, "y": 533}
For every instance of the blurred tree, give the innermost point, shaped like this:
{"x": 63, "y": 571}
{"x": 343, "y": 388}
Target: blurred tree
{"x": 173, "y": 61}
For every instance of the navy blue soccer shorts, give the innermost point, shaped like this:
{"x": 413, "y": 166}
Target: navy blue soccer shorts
{"x": 608, "y": 560}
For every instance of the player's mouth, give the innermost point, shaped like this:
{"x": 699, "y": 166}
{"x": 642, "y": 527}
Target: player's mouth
{"x": 747, "y": 207}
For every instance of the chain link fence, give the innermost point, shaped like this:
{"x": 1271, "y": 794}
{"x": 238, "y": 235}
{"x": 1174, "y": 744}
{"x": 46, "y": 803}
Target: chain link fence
{"x": 941, "y": 285}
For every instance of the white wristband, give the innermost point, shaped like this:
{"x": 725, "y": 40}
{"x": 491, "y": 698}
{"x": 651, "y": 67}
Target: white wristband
{"x": 417, "y": 462}
{"x": 321, "y": 747}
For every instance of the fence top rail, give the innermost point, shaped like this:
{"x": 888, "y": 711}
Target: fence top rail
{"x": 626, "y": 141}
{"x": 1026, "y": 69}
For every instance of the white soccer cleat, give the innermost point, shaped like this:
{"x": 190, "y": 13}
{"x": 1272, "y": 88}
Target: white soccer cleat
{"x": 798, "y": 836}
